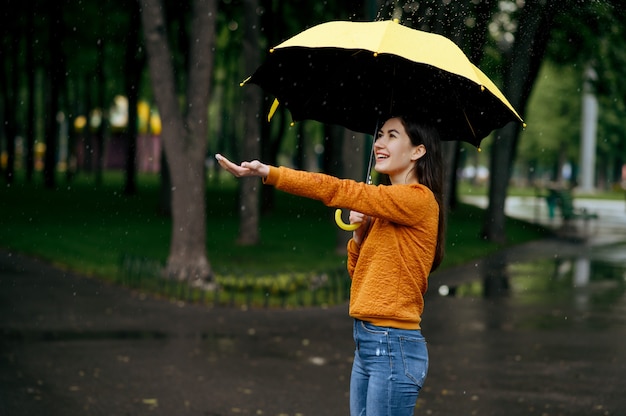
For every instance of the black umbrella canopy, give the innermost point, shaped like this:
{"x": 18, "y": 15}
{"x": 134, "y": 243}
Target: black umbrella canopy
{"x": 359, "y": 88}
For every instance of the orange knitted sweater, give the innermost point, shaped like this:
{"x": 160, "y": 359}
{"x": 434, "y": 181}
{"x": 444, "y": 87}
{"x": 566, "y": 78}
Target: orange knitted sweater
{"x": 390, "y": 269}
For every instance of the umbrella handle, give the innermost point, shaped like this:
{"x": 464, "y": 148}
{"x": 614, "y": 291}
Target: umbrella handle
{"x": 343, "y": 225}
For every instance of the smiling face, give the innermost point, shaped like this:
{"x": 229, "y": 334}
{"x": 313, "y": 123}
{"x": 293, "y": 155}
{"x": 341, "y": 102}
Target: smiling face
{"x": 395, "y": 153}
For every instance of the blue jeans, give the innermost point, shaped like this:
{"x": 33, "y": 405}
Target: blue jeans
{"x": 389, "y": 369}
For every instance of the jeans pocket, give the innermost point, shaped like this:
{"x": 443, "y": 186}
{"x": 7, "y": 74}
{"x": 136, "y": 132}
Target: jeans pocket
{"x": 373, "y": 329}
{"x": 415, "y": 359}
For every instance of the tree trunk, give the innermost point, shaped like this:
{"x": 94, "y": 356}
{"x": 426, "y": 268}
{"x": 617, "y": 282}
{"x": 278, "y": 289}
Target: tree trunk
{"x": 100, "y": 103}
{"x": 9, "y": 90}
{"x": 520, "y": 73}
{"x": 52, "y": 90}
{"x": 273, "y": 26}
{"x": 269, "y": 151}
{"x": 164, "y": 207}
{"x": 184, "y": 136}
{"x": 134, "y": 63}
{"x": 249, "y": 187}
{"x": 450, "y": 151}
{"x": 30, "y": 110}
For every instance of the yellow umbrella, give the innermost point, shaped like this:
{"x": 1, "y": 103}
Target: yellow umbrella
{"x": 357, "y": 74}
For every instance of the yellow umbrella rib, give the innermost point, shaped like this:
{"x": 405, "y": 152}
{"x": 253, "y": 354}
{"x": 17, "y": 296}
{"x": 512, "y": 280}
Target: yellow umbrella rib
{"x": 272, "y": 109}
{"x": 469, "y": 123}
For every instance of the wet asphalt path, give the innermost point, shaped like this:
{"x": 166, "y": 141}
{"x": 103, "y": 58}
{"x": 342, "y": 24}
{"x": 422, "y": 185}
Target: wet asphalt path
{"x": 76, "y": 346}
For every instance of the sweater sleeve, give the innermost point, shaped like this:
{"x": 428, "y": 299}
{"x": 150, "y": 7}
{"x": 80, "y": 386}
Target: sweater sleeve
{"x": 353, "y": 255}
{"x": 401, "y": 204}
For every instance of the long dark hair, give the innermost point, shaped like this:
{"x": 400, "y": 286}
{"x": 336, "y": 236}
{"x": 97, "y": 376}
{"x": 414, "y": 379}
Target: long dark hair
{"x": 429, "y": 172}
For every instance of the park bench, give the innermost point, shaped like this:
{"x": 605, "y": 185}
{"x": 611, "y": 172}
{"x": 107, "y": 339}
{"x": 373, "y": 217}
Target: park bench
{"x": 569, "y": 213}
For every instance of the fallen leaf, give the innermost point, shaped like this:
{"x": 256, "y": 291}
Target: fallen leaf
{"x": 151, "y": 402}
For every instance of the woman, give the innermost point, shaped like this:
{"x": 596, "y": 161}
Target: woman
{"x": 390, "y": 256}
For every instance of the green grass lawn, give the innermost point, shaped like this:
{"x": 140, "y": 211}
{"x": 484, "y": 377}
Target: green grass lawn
{"x": 87, "y": 229}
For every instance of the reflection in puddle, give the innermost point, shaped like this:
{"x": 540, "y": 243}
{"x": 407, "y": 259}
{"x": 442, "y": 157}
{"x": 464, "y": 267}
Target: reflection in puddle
{"x": 31, "y": 336}
{"x": 587, "y": 287}
{"x": 219, "y": 341}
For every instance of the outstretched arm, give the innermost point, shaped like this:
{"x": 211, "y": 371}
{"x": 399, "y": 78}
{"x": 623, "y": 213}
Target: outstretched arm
{"x": 253, "y": 168}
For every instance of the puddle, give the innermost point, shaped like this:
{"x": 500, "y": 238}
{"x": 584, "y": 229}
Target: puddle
{"x": 588, "y": 289}
{"x": 215, "y": 340}
{"x": 68, "y": 335}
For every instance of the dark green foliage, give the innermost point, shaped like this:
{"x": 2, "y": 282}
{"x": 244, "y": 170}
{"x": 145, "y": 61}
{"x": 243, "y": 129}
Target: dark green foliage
{"x": 102, "y": 233}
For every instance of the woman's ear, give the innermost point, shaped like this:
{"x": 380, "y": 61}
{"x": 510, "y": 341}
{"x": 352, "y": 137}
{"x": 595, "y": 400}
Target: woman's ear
{"x": 418, "y": 152}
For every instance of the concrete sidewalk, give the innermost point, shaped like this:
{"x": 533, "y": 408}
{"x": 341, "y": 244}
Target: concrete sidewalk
{"x": 610, "y": 226}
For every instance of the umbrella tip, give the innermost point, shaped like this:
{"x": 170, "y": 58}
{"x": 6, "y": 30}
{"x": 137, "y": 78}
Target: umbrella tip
{"x": 524, "y": 125}
{"x": 396, "y": 20}
{"x": 272, "y": 50}
{"x": 242, "y": 83}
